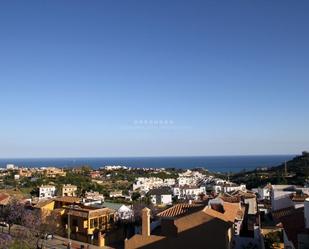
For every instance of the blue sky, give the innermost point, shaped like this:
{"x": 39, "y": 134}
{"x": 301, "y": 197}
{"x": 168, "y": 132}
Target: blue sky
{"x": 86, "y": 78}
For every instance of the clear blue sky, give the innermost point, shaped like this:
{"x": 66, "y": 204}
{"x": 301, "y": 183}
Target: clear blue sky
{"x": 228, "y": 77}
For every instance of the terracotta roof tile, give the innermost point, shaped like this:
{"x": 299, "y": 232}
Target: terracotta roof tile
{"x": 4, "y": 199}
{"x": 299, "y": 197}
{"x": 181, "y": 209}
{"x": 282, "y": 212}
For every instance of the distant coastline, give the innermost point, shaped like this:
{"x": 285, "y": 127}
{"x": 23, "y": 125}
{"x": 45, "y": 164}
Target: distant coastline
{"x": 212, "y": 163}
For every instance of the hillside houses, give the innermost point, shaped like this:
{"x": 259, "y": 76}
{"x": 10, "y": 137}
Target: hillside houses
{"x": 144, "y": 184}
{"x": 189, "y": 192}
{"x": 189, "y": 185}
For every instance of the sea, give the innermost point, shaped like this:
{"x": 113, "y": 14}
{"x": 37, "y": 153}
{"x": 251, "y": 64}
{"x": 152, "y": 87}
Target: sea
{"x": 211, "y": 163}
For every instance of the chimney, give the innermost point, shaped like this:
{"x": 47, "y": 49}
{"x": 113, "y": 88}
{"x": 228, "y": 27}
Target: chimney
{"x": 146, "y": 222}
{"x": 306, "y": 211}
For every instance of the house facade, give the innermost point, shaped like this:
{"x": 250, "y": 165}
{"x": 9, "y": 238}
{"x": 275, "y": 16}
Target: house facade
{"x": 47, "y": 191}
{"x": 160, "y": 196}
{"x": 68, "y": 190}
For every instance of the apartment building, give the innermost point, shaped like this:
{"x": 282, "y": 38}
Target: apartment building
{"x": 68, "y": 190}
{"x": 47, "y": 191}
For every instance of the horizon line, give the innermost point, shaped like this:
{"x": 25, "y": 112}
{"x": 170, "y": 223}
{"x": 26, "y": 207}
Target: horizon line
{"x": 147, "y": 156}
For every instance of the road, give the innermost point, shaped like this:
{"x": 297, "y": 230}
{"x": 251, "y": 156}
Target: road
{"x": 60, "y": 243}
{"x": 57, "y": 242}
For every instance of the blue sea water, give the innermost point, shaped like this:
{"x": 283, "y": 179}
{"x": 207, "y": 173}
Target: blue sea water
{"x": 212, "y": 163}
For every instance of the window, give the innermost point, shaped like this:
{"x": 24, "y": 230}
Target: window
{"x": 95, "y": 222}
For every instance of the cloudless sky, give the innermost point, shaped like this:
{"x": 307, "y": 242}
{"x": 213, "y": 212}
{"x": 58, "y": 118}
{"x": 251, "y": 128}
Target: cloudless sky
{"x": 137, "y": 78}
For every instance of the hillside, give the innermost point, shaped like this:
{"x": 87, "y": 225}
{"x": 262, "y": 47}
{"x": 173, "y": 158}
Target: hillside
{"x": 295, "y": 171}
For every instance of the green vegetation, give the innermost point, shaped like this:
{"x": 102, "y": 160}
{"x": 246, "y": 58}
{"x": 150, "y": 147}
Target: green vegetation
{"x": 272, "y": 240}
{"x": 297, "y": 173}
{"x": 18, "y": 244}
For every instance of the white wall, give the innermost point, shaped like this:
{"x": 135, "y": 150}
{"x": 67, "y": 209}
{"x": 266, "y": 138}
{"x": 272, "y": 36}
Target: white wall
{"x": 161, "y": 199}
{"x": 281, "y": 199}
{"x": 166, "y": 199}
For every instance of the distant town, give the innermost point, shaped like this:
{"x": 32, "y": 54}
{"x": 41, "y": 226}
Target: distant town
{"x": 124, "y": 207}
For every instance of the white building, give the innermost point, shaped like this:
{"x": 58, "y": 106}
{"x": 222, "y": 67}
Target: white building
{"x": 190, "y": 178}
{"x": 146, "y": 183}
{"x": 11, "y": 166}
{"x": 92, "y": 198}
{"x": 186, "y": 180}
{"x": 115, "y": 194}
{"x": 263, "y": 192}
{"x": 281, "y": 196}
{"x": 116, "y": 167}
{"x": 68, "y": 190}
{"x": 125, "y": 213}
{"x": 189, "y": 192}
{"x": 47, "y": 191}
{"x": 160, "y": 196}
{"x": 169, "y": 182}
{"x": 122, "y": 212}
{"x": 227, "y": 187}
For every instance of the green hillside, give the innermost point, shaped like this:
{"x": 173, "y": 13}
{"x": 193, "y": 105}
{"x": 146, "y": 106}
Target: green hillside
{"x": 295, "y": 171}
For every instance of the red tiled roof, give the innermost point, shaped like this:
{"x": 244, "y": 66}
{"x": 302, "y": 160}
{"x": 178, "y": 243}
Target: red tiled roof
{"x": 4, "y": 198}
{"x": 232, "y": 199}
{"x": 298, "y": 197}
{"x": 181, "y": 209}
{"x": 282, "y": 212}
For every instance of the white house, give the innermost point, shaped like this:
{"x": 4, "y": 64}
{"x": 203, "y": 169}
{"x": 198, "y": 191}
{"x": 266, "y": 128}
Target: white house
{"x": 123, "y": 212}
{"x": 160, "y": 196}
{"x": 280, "y": 196}
{"x": 188, "y": 192}
{"x": 186, "y": 180}
{"x": 47, "y": 191}
{"x": 91, "y": 198}
{"x": 227, "y": 187}
{"x": 147, "y": 183}
{"x": 11, "y": 166}
{"x": 115, "y": 194}
{"x": 190, "y": 178}
{"x": 263, "y": 192}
